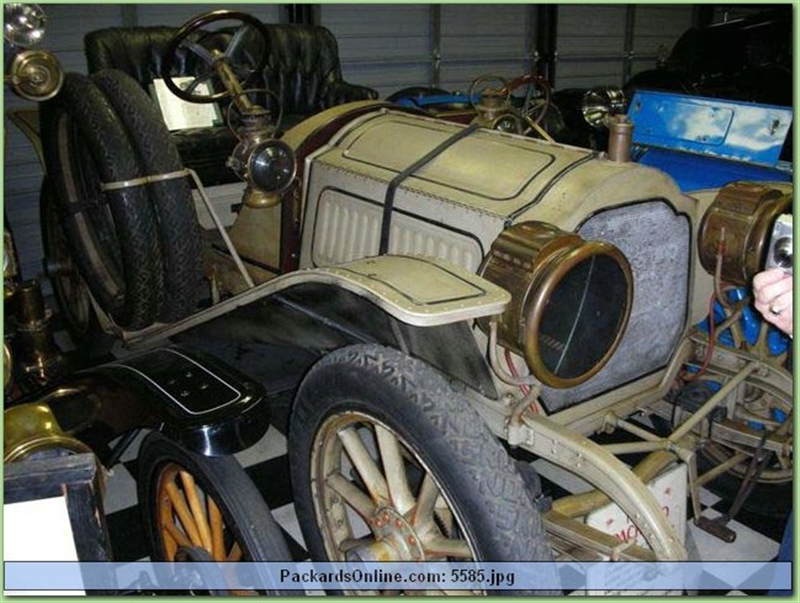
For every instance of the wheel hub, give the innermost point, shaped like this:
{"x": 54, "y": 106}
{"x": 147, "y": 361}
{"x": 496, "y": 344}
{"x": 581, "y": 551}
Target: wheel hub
{"x": 395, "y": 540}
{"x": 193, "y": 553}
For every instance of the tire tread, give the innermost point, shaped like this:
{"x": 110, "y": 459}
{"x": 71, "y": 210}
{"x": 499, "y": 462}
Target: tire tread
{"x": 227, "y": 482}
{"x": 179, "y": 230}
{"x": 455, "y": 432}
{"x": 134, "y": 298}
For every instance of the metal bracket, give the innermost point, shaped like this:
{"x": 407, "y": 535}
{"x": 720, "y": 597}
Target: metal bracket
{"x": 596, "y": 465}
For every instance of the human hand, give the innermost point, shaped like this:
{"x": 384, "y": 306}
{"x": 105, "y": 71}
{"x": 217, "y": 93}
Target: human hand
{"x": 773, "y": 297}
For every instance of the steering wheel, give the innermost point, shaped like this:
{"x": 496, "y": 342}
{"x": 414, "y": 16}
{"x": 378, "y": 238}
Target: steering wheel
{"x": 501, "y": 96}
{"x": 226, "y": 66}
{"x": 494, "y": 109}
{"x": 533, "y": 108}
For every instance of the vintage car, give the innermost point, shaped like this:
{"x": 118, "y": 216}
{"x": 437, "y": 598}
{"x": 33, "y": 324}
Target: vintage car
{"x": 521, "y": 105}
{"x": 66, "y": 427}
{"x": 471, "y": 300}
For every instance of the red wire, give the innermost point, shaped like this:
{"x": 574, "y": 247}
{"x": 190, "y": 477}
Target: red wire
{"x": 711, "y": 336}
{"x": 525, "y": 389}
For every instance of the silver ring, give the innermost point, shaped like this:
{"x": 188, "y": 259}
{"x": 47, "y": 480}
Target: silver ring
{"x": 776, "y": 311}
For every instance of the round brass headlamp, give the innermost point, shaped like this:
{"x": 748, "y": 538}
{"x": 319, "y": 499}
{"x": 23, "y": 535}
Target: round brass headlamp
{"x": 23, "y": 24}
{"x": 35, "y": 75}
{"x": 602, "y": 102}
{"x": 571, "y": 300}
{"x": 736, "y": 229}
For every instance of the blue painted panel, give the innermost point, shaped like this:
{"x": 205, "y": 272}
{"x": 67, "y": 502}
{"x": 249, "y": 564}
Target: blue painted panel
{"x": 437, "y": 99}
{"x": 712, "y": 127}
{"x": 695, "y": 172}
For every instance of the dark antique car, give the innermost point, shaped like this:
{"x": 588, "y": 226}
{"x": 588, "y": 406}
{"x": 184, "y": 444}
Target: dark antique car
{"x": 65, "y": 429}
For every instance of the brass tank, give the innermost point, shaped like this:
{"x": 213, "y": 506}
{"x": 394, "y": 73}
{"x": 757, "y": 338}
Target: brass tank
{"x": 32, "y": 428}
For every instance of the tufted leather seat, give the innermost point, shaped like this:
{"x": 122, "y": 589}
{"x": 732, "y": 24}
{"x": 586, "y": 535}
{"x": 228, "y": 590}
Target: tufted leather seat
{"x": 138, "y": 51}
{"x": 302, "y": 70}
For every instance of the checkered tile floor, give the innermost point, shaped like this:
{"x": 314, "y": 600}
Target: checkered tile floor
{"x": 267, "y": 464}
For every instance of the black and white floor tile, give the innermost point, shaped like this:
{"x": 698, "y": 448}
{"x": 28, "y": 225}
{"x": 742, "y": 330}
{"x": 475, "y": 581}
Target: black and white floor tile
{"x": 757, "y": 536}
{"x": 266, "y": 463}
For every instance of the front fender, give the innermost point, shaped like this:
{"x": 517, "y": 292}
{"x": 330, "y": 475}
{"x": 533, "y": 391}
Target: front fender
{"x": 420, "y": 291}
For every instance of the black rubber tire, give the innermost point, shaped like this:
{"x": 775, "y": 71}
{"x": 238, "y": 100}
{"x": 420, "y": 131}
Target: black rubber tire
{"x": 247, "y": 517}
{"x": 178, "y": 227}
{"x": 119, "y": 254}
{"x": 75, "y": 309}
{"x": 495, "y": 514}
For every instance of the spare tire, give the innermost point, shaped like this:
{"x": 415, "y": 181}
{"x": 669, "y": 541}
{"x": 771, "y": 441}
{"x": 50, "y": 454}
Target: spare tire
{"x": 71, "y": 294}
{"x": 178, "y": 227}
{"x": 113, "y": 234}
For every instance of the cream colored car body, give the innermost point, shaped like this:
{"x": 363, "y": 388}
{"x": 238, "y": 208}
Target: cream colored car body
{"x": 446, "y": 216}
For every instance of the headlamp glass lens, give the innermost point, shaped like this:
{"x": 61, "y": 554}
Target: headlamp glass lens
{"x": 272, "y": 166}
{"x": 23, "y": 24}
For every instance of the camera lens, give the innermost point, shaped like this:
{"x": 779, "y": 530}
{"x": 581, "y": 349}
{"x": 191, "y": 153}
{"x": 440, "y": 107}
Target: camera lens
{"x": 782, "y": 253}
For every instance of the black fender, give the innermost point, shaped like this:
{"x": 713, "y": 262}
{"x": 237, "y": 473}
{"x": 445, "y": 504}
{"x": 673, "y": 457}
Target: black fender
{"x": 191, "y": 397}
{"x": 322, "y": 317}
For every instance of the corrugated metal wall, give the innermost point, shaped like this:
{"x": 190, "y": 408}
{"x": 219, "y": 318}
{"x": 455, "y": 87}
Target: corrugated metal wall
{"x": 484, "y": 39}
{"x": 655, "y": 30}
{"x": 390, "y": 47}
{"x": 178, "y": 14}
{"x": 590, "y": 45}
{"x": 386, "y": 46}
